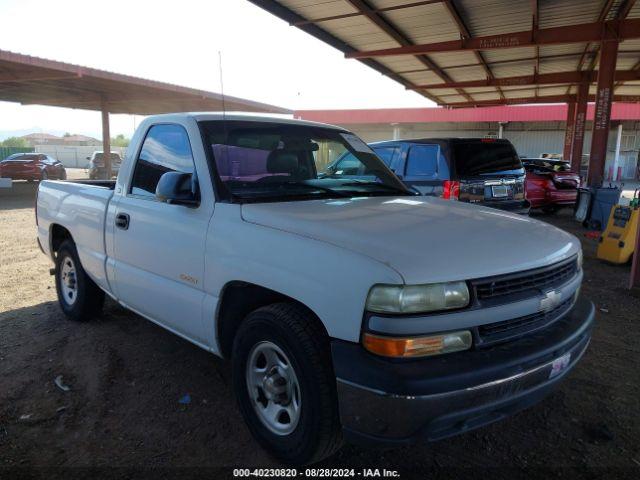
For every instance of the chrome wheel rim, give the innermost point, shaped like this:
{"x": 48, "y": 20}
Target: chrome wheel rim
{"x": 68, "y": 281}
{"x": 274, "y": 391}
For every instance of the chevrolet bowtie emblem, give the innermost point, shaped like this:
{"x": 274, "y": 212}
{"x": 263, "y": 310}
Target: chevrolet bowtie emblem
{"x": 550, "y": 301}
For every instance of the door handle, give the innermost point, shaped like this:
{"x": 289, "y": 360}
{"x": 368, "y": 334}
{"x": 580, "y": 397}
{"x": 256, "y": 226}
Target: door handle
{"x": 122, "y": 221}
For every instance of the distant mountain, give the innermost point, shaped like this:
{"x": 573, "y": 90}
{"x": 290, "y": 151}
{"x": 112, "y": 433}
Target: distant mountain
{"x": 4, "y": 134}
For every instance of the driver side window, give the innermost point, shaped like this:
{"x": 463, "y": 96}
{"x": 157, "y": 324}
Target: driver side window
{"x": 166, "y": 148}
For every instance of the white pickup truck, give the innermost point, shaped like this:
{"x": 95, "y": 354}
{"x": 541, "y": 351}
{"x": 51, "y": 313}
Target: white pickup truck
{"x": 350, "y": 308}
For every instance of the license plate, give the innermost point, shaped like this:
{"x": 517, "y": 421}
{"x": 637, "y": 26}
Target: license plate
{"x": 500, "y": 191}
{"x": 559, "y": 365}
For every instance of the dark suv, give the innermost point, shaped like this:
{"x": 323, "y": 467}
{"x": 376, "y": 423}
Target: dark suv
{"x": 486, "y": 171}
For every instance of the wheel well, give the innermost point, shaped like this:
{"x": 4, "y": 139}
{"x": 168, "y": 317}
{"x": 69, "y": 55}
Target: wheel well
{"x": 238, "y": 299}
{"x": 58, "y": 235}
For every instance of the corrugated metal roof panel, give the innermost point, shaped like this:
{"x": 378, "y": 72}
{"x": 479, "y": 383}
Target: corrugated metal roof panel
{"x": 513, "y": 69}
{"x": 491, "y": 17}
{"x": 628, "y": 90}
{"x": 402, "y": 63}
{"x": 423, "y": 78}
{"x": 312, "y": 9}
{"x": 467, "y": 73}
{"x": 626, "y": 63}
{"x": 425, "y": 24}
{"x": 569, "y": 12}
{"x": 480, "y": 97}
{"x": 558, "y": 65}
{"x": 519, "y": 93}
{"x": 456, "y": 99}
{"x": 446, "y": 60}
{"x": 509, "y": 54}
{"x": 435, "y": 23}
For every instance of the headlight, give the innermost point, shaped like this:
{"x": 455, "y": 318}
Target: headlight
{"x": 417, "y": 298}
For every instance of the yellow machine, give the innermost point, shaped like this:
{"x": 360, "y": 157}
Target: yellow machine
{"x": 618, "y": 240}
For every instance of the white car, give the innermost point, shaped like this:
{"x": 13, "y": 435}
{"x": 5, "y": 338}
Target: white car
{"x": 349, "y": 308}
{"x": 97, "y": 168}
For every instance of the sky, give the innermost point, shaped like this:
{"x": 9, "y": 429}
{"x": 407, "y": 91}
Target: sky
{"x": 263, "y": 58}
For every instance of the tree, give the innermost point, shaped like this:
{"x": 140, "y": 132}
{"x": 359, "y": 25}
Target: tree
{"x": 120, "y": 141}
{"x": 16, "y": 142}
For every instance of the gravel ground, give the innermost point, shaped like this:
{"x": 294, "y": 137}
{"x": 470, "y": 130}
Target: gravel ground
{"x": 126, "y": 376}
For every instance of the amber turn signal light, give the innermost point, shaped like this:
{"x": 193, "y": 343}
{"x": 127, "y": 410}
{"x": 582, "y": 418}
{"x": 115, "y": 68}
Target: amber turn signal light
{"x": 408, "y": 347}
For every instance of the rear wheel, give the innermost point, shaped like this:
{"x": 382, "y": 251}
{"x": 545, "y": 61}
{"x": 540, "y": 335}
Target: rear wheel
{"x": 44, "y": 175}
{"x": 63, "y": 175}
{"x": 79, "y": 297}
{"x": 284, "y": 383}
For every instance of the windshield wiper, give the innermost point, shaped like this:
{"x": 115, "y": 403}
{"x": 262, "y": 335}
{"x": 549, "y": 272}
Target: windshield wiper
{"x": 366, "y": 183}
{"x": 315, "y": 187}
{"x": 276, "y": 191}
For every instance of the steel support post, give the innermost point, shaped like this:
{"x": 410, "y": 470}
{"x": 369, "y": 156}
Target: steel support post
{"x": 602, "y": 114}
{"x": 579, "y": 126}
{"x": 569, "y": 130}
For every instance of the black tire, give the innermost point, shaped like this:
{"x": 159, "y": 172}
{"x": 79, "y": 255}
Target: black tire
{"x": 293, "y": 329}
{"x": 550, "y": 209}
{"x": 44, "y": 175}
{"x": 63, "y": 175}
{"x": 89, "y": 298}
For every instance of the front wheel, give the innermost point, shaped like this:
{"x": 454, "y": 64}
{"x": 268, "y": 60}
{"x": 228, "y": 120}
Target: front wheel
{"x": 44, "y": 175}
{"x": 284, "y": 383}
{"x": 79, "y": 297}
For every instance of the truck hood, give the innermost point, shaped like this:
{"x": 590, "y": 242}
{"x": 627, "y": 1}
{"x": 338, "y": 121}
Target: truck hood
{"x": 425, "y": 239}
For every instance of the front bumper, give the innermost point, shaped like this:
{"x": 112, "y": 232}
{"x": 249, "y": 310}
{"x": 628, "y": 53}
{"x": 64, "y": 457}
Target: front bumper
{"x": 397, "y": 402}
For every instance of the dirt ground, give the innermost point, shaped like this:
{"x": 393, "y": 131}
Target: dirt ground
{"x": 126, "y": 376}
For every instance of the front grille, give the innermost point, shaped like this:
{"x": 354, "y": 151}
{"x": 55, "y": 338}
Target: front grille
{"x": 538, "y": 280}
{"x": 508, "y": 329}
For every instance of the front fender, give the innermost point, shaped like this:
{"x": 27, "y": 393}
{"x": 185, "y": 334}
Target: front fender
{"x": 331, "y": 281}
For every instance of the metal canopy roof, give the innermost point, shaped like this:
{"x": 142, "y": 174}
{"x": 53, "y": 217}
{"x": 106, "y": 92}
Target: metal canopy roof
{"x": 31, "y": 80}
{"x": 479, "y": 52}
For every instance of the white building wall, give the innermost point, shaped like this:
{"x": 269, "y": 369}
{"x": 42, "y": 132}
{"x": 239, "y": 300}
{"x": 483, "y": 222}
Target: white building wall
{"x": 74, "y": 156}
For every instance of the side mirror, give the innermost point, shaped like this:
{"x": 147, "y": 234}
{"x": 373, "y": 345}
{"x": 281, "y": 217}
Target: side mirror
{"x": 88, "y": 158}
{"x": 177, "y": 188}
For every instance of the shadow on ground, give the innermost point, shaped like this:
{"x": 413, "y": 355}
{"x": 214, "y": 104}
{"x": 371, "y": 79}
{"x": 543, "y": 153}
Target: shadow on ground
{"x": 21, "y": 195}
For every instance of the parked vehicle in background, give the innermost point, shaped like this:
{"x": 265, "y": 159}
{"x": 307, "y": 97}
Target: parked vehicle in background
{"x": 552, "y": 156}
{"x": 550, "y": 184}
{"x": 32, "y": 167}
{"x": 483, "y": 171}
{"x": 97, "y": 169}
{"x": 348, "y": 307}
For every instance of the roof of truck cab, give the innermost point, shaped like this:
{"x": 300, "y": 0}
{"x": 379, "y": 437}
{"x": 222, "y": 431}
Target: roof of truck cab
{"x": 247, "y": 117}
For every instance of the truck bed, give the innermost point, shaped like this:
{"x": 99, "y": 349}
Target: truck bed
{"x": 80, "y": 207}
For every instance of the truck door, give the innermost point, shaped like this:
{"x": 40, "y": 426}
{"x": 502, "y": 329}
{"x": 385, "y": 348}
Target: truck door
{"x": 159, "y": 247}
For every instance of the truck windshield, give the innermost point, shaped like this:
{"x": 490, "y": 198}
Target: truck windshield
{"x": 486, "y": 157}
{"x": 267, "y": 161}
